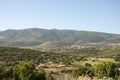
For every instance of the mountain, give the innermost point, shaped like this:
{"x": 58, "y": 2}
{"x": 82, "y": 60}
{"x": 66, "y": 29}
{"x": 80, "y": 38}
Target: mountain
{"x": 54, "y": 37}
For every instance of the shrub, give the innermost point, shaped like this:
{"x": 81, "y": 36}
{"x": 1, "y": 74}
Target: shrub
{"x": 105, "y": 69}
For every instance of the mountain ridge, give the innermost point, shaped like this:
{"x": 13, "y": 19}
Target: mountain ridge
{"x": 36, "y": 36}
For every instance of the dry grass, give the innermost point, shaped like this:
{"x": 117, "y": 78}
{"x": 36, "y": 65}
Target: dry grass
{"x": 94, "y": 61}
{"x": 69, "y": 77}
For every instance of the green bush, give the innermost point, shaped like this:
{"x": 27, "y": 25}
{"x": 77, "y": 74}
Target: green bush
{"x": 80, "y": 71}
{"x": 49, "y": 76}
{"x": 23, "y": 71}
{"x": 105, "y": 69}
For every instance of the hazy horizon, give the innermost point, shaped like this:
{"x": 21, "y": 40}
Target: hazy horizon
{"x": 87, "y": 15}
{"x": 59, "y": 29}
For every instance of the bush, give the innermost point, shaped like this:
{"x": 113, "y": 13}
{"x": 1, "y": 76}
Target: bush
{"x": 49, "y": 76}
{"x": 105, "y": 69}
{"x": 23, "y": 71}
{"x": 82, "y": 71}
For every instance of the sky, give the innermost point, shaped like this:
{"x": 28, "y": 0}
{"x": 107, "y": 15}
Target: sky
{"x": 90, "y": 15}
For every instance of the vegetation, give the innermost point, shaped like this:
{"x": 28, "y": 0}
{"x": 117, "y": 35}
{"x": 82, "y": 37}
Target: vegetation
{"x": 23, "y": 71}
{"x": 27, "y": 71}
{"x": 25, "y": 64}
{"x": 106, "y": 69}
{"x": 34, "y": 36}
{"x": 10, "y": 56}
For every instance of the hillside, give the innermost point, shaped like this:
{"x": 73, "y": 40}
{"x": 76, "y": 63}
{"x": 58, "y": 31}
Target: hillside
{"x": 56, "y": 38}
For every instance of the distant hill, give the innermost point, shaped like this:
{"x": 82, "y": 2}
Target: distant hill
{"x": 53, "y": 37}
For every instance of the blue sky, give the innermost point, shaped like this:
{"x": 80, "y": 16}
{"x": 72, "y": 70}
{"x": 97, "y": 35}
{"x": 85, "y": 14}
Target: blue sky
{"x": 90, "y": 15}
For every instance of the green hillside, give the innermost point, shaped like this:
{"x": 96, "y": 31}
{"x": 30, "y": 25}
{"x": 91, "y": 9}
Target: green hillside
{"x": 10, "y": 55}
{"x": 35, "y": 36}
